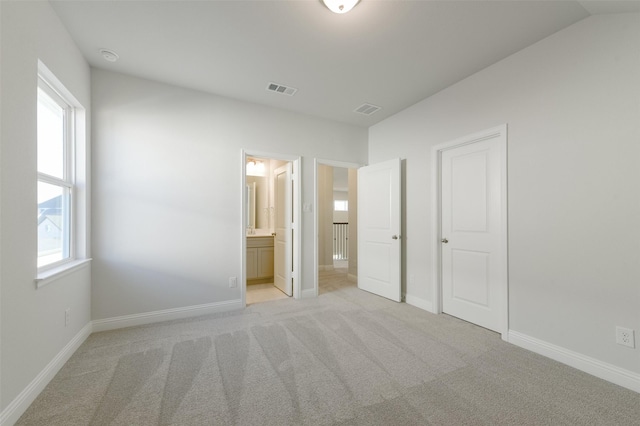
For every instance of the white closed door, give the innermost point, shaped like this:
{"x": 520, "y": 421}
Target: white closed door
{"x": 473, "y": 261}
{"x": 379, "y": 239}
{"x": 283, "y": 241}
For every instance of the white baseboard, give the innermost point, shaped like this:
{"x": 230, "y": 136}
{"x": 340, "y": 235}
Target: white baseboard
{"x": 165, "y": 315}
{"x": 611, "y": 373}
{"x": 352, "y": 278}
{"x": 325, "y": 268}
{"x": 19, "y": 405}
{"x": 308, "y": 293}
{"x": 419, "y": 303}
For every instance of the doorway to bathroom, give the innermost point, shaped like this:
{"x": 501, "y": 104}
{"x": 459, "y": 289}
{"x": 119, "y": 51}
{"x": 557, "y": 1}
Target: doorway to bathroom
{"x": 270, "y": 239}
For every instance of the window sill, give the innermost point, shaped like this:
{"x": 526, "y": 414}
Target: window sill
{"x": 50, "y": 275}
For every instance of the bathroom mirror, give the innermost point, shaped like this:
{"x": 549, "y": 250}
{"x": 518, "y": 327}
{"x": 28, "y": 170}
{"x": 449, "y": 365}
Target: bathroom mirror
{"x": 250, "y": 193}
{"x": 258, "y": 205}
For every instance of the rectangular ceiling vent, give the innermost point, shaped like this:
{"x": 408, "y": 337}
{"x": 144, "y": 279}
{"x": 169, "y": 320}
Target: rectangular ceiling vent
{"x": 279, "y": 88}
{"x": 367, "y": 109}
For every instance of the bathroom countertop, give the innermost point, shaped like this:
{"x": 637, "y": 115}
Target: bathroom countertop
{"x": 260, "y": 233}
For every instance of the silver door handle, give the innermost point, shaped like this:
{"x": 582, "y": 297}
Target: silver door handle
{"x": 444, "y": 240}
{"x": 395, "y": 237}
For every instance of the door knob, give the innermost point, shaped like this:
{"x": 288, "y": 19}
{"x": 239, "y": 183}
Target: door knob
{"x": 444, "y": 240}
{"x": 395, "y": 237}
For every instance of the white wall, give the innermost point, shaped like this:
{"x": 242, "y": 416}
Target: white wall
{"x": 33, "y": 330}
{"x": 166, "y": 196}
{"x": 572, "y": 104}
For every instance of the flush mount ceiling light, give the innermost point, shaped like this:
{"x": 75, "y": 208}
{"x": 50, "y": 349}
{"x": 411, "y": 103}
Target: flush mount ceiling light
{"x": 109, "y": 55}
{"x": 340, "y": 6}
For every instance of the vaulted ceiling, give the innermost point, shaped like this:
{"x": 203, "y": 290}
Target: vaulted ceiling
{"x": 389, "y": 53}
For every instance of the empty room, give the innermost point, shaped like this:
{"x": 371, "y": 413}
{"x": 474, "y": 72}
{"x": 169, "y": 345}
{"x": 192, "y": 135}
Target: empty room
{"x": 319, "y": 212}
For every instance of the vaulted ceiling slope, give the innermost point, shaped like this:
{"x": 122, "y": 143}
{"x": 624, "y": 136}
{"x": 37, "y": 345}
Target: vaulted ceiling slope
{"x": 388, "y": 53}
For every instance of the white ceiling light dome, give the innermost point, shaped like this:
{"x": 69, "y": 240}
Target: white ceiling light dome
{"x": 340, "y": 6}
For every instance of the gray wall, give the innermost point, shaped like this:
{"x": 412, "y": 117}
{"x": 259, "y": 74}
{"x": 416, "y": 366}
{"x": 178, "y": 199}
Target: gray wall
{"x": 167, "y": 189}
{"x": 32, "y": 330}
{"x": 572, "y": 104}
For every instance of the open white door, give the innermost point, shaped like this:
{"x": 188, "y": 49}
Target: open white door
{"x": 282, "y": 261}
{"x": 379, "y": 239}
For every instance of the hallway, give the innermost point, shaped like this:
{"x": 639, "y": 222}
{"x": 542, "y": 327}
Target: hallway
{"x": 329, "y": 281}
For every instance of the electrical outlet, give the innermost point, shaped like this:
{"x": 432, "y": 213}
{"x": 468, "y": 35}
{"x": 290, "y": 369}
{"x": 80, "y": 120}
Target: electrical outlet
{"x": 67, "y": 316}
{"x": 233, "y": 282}
{"x": 625, "y": 337}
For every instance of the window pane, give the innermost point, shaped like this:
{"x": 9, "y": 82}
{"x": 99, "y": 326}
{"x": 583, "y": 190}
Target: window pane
{"x": 340, "y": 205}
{"x": 53, "y": 223}
{"x": 50, "y": 136}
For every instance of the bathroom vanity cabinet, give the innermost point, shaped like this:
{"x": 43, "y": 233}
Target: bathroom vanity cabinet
{"x": 259, "y": 259}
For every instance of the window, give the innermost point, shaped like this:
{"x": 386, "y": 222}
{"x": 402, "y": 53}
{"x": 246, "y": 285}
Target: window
{"x": 340, "y": 205}
{"x": 55, "y": 176}
{"x": 62, "y": 184}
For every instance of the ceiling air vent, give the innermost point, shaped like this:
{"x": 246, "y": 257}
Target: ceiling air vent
{"x": 367, "y": 109}
{"x": 279, "y": 88}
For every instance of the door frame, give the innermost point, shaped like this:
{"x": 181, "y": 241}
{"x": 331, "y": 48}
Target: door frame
{"x": 436, "y": 223}
{"x": 296, "y": 226}
{"x": 317, "y": 161}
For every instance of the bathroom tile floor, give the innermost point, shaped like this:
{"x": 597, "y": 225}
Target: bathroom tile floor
{"x": 257, "y": 293}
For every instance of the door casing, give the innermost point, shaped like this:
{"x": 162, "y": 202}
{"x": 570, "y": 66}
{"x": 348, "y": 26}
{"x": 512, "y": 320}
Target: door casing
{"x": 436, "y": 204}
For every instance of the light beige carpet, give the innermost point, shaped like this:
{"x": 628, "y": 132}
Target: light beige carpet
{"x": 345, "y": 358}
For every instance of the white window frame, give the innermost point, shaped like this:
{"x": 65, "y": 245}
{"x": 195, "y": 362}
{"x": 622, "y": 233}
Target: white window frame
{"x": 75, "y": 179}
{"x": 67, "y": 181}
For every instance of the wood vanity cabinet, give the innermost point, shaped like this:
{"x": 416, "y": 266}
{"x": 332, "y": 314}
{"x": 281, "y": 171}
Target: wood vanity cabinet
{"x": 259, "y": 260}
